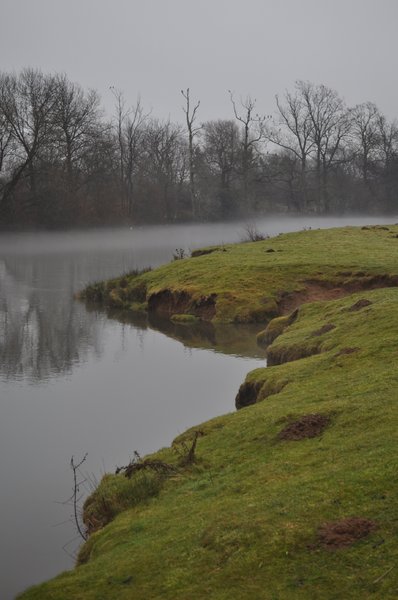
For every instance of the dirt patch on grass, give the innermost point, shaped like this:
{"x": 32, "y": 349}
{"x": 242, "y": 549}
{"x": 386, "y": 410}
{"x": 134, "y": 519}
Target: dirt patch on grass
{"x": 324, "y": 329}
{"x": 359, "y": 305}
{"x": 204, "y": 251}
{"x": 319, "y": 290}
{"x": 340, "y": 534}
{"x": 312, "y": 292}
{"x": 344, "y": 351}
{"x": 308, "y": 426}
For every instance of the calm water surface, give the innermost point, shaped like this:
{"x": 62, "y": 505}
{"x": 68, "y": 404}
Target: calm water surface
{"x": 75, "y": 380}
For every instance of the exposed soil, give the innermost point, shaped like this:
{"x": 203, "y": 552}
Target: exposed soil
{"x": 360, "y": 304}
{"x": 203, "y": 252}
{"x": 252, "y": 392}
{"x": 318, "y": 290}
{"x": 324, "y": 329}
{"x": 308, "y": 426}
{"x": 313, "y": 292}
{"x": 344, "y": 351}
{"x": 284, "y": 354}
{"x": 340, "y": 534}
{"x": 247, "y": 394}
{"x": 293, "y": 317}
{"x": 169, "y": 303}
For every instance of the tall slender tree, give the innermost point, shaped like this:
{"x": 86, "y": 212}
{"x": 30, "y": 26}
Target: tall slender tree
{"x": 190, "y": 111}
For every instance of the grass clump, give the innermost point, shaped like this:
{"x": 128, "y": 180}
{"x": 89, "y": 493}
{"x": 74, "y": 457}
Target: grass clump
{"x": 275, "y": 328}
{"x": 252, "y": 234}
{"x": 117, "y": 493}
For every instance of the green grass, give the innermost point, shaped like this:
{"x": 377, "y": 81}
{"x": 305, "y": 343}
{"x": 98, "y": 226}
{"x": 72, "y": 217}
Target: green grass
{"x": 241, "y": 522}
{"x": 247, "y": 282}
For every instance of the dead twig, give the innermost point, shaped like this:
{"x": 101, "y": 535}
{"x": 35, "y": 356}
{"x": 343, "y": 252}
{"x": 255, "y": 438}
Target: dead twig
{"x": 383, "y": 575}
{"x": 75, "y": 498}
{"x": 185, "y": 452}
{"x": 147, "y": 464}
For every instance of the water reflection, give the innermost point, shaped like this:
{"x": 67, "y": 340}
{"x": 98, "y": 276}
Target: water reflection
{"x": 236, "y": 340}
{"x": 74, "y": 380}
{"x": 43, "y": 332}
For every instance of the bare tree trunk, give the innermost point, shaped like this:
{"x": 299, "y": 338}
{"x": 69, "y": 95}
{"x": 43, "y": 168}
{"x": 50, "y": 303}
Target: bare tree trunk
{"x": 190, "y": 116}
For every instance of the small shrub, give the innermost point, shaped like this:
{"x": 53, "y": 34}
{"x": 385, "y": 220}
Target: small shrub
{"x": 94, "y": 292}
{"x": 179, "y": 254}
{"x": 253, "y": 235}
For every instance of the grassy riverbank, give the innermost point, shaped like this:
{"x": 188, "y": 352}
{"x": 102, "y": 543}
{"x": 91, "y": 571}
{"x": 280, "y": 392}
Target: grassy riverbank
{"x": 295, "y": 495}
{"x": 254, "y": 282}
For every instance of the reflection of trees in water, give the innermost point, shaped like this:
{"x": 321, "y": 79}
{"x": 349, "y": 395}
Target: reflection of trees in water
{"x": 43, "y": 331}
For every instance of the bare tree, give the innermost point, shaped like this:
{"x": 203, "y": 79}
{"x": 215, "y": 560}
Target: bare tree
{"x": 366, "y": 138}
{"x": 163, "y": 166}
{"x": 284, "y": 177}
{"x": 134, "y": 132}
{"x": 27, "y": 106}
{"x": 121, "y": 115}
{"x": 221, "y": 146}
{"x": 388, "y": 158}
{"x": 313, "y": 123}
{"x": 76, "y": 116}
{"x": 388, "y": 139}
{"x": 253, "y": 133}
{"x": 190, "y": 117}
{"x": 130, "y": 131}
{"x": 292, "y": 132}
{"x": 5, "y": 139}
{"x": 330, "y": 125}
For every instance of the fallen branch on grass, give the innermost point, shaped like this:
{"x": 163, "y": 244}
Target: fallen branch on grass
{"x": 139, "y": 464}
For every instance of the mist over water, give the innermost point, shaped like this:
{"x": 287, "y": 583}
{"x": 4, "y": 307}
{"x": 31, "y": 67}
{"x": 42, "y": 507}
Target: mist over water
{"x": 73, "y": 380}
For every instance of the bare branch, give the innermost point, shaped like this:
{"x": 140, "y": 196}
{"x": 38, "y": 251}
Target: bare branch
{"x": 75, "y": 497}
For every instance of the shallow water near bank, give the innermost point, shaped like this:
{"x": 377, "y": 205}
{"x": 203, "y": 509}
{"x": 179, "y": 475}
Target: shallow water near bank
{"x": 74, "y": 379}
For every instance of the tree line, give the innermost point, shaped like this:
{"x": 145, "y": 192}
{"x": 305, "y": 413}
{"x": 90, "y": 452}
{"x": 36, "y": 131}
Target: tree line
{"x": 64, "y": 163}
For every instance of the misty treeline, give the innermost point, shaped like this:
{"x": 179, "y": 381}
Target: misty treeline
{"x": 64, "y": 163}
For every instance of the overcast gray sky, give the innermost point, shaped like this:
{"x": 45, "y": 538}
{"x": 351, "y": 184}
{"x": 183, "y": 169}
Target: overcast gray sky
{"x": 257, "y": 47}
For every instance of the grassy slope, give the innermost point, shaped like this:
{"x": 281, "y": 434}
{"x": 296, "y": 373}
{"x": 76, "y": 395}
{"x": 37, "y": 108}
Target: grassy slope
{"x": 248, "y": 280}
{"x": 242, "y": 521}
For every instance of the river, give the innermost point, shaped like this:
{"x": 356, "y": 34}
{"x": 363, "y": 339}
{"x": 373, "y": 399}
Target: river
{"x": 74, "y": 380}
